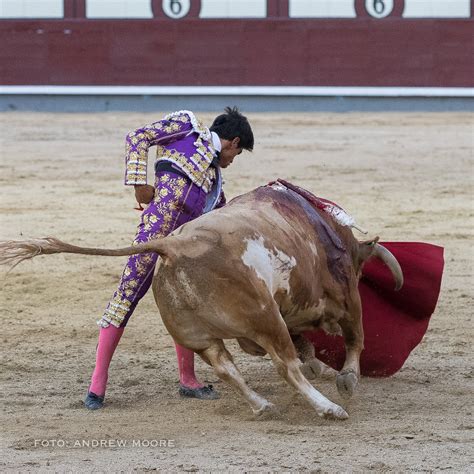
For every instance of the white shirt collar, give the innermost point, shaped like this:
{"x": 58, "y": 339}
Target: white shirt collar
{"x": 216, "y": 141}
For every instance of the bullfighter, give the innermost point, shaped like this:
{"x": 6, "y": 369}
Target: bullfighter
{"x": 188, "y": 183}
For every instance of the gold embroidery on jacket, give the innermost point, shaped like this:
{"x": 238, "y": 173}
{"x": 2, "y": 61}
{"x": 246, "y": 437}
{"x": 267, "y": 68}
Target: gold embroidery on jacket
{"x": 196, "y": 167}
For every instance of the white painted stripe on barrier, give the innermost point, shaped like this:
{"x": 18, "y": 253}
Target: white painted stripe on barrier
{"x": 233, "y": 9}
{"x": 322, "y": 9}
{"x": 437, "y": 9}
{"x": 242, "y": 91}
{"x": 118, "y": 9}
{"x": 31, "y": 9}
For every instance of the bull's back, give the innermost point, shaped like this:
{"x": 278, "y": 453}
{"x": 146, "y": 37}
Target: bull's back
{"x": 256, "y": 239}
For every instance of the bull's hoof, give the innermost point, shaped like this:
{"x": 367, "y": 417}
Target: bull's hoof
{"x": 311, "y": 369}
{"x": 314, "y": 368}
{"x": 268, "y": 411}
{"x": 203, "y": 393}
{"x": 93, "y": 401}
{"x": 335, "y": 413}
{"x": 346, "y": 384}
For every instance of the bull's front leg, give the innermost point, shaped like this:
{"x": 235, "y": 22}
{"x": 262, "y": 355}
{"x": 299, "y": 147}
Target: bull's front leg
{"x": 353, "y": 332}
{"x": 311, "y": 367}
{"x": 279, "y": 346}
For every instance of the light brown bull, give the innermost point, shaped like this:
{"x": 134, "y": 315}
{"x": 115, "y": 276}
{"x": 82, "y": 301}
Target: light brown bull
{"x": 263, "y": 269}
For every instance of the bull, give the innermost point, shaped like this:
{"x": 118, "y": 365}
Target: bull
{"x": 264, "y": 269}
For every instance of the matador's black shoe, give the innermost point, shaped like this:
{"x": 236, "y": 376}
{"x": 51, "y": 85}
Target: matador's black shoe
{"x": 93, "y": 401}
{"x": 203, "y": 393}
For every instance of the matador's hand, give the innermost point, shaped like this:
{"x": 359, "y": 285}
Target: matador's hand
{"x": 144, "y": 193}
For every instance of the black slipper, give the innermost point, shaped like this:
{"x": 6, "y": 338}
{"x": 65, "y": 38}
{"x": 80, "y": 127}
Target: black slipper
{"x": 93, "y": 401}
{"x": 203, "y": 393}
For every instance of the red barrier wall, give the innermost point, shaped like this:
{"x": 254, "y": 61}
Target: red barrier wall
{"x": 272, "y": 51}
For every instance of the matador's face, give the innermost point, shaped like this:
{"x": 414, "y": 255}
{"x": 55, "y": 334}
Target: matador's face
{"x": 230, "y": 149}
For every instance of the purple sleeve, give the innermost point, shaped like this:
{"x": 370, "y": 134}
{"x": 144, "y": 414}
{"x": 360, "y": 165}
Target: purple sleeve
{"x": 139, "y": 141}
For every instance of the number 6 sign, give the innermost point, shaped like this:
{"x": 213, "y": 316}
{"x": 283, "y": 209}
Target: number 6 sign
{"x": 176, "y": 9}
{"x": 379, "y": 8}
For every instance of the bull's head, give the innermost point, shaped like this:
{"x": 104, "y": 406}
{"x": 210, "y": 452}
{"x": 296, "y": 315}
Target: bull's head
{"x": 371, "y": 248}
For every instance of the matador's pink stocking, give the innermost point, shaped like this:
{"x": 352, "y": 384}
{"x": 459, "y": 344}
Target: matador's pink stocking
{"x": 109, "y": 337}
{"x": 187, "y": 377}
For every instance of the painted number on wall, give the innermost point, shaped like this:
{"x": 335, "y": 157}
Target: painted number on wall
{"x": 176, "y": 8}
{"x": 379, "y": 8}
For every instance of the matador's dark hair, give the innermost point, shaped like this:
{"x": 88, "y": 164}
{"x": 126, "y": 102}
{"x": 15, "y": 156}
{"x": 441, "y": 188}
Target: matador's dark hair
{"x": 233, "y": 124}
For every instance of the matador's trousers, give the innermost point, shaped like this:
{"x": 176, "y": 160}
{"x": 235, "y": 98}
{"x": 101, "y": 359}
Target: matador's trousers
{"x": 177, "y": 200}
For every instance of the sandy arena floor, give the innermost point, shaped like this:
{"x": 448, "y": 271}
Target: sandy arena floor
{"x": 404, "y": 177}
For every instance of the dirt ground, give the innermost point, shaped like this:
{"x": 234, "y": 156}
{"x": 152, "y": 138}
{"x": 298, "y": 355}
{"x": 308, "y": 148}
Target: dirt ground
{"x": 404, "y": 177}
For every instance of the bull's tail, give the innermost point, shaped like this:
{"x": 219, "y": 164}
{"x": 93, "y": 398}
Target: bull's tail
{"x": 13, "y": 252}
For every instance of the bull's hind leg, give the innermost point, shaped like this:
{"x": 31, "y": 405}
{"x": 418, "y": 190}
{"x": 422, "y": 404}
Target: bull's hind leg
{"x": 283, "y": 354}
{"x": 353, "y": 332}
{"x": 221, "y": 360}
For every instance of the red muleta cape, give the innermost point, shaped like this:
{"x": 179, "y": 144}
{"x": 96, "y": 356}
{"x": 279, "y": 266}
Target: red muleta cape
{"x": 394, "y": 321}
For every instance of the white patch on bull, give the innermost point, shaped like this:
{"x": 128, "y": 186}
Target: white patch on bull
{"x": 271, "y": 266}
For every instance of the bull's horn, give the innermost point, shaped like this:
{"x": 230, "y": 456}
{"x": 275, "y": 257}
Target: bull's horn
{"x": 389, "y": 259}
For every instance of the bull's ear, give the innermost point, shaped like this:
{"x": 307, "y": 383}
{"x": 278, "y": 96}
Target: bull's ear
{"x": 366, "y": 249}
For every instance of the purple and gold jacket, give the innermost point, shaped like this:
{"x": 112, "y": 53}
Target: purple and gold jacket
{"x": 180, "y": 138}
